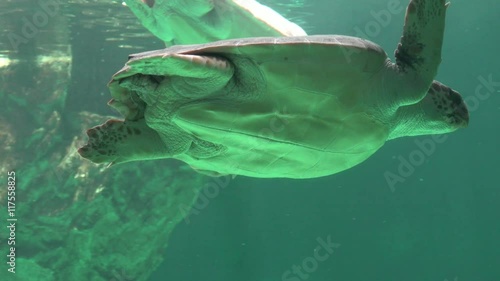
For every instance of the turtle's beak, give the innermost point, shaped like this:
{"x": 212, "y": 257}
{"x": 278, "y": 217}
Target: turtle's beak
{"x": 451, "y": 104}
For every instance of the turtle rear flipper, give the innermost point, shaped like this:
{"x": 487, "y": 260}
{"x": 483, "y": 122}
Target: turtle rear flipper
{"x": 164, "y": 73}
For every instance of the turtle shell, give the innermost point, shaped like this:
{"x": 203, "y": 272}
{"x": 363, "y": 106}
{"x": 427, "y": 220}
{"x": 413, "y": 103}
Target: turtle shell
{"x": 296, "y": 107}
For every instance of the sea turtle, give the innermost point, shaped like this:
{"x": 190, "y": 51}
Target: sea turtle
{"x": 294, "y": 107}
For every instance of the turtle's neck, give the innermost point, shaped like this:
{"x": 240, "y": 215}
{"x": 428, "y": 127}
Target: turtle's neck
{"x": 407, "y": 122}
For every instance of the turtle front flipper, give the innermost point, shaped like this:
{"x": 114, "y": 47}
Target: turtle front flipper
{"x": 419, "y": 52}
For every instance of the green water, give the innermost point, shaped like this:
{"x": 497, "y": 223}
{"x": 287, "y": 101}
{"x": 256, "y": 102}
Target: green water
{"x": 440, "y": 223}
{"x": 420, "y": 209}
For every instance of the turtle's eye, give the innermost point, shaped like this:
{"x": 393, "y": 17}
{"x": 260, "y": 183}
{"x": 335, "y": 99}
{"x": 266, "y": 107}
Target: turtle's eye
{"x": 460, "y": 111}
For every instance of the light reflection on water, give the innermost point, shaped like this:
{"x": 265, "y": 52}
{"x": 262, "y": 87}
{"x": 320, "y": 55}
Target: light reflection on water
{"x": 97, "y": 34}
{"x": 111, "y": 19}
{"x": 27, "y": 20}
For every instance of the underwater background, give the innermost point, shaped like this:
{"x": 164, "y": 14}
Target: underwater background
{"x": 421, "y": 209}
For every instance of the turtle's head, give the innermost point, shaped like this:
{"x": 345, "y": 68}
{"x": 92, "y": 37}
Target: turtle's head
{"x": 442, "y": 110}
{"x": 117, "y": 142}
{"x": 445, "y": 108}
